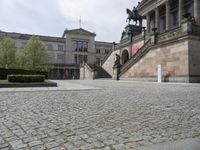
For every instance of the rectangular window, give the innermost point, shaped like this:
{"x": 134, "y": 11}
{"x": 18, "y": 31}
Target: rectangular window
{"x": 85, "y": 46}
{"x": 60, "y": 58}
{"x": 174, "y": 19}
{"x": 98, "y": 61}
{"x": 189, "y": 8}
{"x": 50, "y": 47}
{"x": 50, "y": 58}
{"x": 80, "y": 59}
{"x": 85, "y": 58}
{"x": 80, "y": 46}
{"x": 162, "y": 24}
{"x": 60, "y": 47}
{"x": 98, "y": 51}
{"x": 75, "y": 59}
{"x": 75, "y": 45}
{"x": 107, "y": 51}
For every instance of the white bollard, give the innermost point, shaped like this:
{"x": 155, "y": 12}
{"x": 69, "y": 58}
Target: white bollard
{"x": 159, "y": 73}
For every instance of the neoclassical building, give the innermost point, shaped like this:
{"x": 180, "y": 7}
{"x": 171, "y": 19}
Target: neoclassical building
{"x": 67, "y": 53}
{"x": 168, "y": 14}
{"x": 170, "y": 43}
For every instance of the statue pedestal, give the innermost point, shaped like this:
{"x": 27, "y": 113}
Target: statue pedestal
{"x": 133, "y": 29}
{"x": 116, "y": 71}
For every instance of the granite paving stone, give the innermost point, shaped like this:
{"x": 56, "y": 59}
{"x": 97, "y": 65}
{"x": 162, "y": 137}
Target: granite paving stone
{"x": 99, "y": 115}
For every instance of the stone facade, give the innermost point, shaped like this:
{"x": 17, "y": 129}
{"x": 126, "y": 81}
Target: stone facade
{"x": 108, "y": 65}
{"x": 86, "y": 73}
{"x": 194, "y": 59}
{"x": 167, "y": 14}
{"x": 68, "y": 52}
{"x": 173, "y": 46}
{"x": 172, "y": 56}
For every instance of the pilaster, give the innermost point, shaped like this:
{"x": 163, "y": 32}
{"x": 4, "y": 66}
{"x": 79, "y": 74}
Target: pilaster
{"x": 157, "y": 19}
{"x": 197, "y": 11}
{"x": 148, "y": 22}
{"x": 180, "y": 11}
{"x": 168, "y": 22}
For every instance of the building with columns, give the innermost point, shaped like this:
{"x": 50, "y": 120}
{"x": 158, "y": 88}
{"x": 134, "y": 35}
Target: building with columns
{"x": 170, "y": 41}
{"x": 69, "y": 52}
{"x": 168, "y": 14}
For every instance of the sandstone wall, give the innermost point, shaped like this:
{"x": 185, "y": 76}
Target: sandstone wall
{"x": 85, "y": 74}
{"x": 108, "y": 65}
{"x": 172, "y": 56}
{"x": 194, "y": 51}
{"x": 194, "y": 59}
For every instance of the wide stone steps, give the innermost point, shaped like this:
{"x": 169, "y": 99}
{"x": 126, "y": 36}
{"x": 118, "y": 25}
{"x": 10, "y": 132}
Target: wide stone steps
{"x": 100, "y": 72}
{"x": 135, "y": 58}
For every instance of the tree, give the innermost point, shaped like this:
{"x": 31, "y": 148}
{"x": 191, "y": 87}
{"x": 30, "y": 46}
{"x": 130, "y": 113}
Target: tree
{"x": 34, "y": 55}
{"x": 7, "y": 53}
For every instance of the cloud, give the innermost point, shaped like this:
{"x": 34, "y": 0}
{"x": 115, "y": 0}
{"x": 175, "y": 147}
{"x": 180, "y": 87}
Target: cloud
{"x": 32, "y": 17}
{"x": 50, "y": 17}
{"x": 106, "y": 17}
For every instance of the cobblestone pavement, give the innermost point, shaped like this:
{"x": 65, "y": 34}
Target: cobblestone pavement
{"x": 116, "y": 116}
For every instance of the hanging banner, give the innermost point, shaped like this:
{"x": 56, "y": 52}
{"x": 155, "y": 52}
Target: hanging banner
{"x": 135, "y": 48}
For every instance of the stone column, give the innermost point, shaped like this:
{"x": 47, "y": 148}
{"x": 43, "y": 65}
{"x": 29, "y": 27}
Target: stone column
{"x": 148, "y": 22}
{"x": 180, "y": 11}
{"x": 197, "y": 11}
{"x": 168, "y": 19}
{"x": 157, "y": 19}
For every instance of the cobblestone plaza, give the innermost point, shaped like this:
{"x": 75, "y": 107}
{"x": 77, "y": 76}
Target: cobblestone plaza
{"x": 98, "y": 115}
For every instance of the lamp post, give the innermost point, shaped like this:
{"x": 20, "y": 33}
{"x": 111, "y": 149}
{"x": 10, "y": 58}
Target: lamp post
{"x": 130, "y": 34}
{"x": 144, "y": 33}
{"x": 154, "y": 34}
{"x": 114, "y": 44}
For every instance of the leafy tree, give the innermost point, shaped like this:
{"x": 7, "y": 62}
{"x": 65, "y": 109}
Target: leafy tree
{"x": 7, "y": 53}
{"x": 33, "y": 55}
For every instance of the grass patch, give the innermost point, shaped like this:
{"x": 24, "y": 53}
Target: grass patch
{"x": 4, "y": 82}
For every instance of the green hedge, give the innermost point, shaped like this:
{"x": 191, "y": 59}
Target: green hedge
{"x": 26, "y": 78}
{"x": 5, "y": 72}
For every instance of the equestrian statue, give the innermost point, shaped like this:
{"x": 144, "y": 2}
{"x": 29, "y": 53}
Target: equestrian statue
{"x": 134, "y": 15}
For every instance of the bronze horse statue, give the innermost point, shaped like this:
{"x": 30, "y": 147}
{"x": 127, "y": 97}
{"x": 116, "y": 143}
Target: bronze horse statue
{"x": 134, "y": 15}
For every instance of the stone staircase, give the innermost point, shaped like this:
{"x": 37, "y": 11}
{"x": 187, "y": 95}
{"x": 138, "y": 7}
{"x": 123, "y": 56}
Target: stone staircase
{"x": 135, "y": 58}
{"x": 99, "y": 72}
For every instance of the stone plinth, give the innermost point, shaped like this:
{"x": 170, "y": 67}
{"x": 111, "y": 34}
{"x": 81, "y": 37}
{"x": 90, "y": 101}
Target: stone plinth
{"x": 116, "y": 71}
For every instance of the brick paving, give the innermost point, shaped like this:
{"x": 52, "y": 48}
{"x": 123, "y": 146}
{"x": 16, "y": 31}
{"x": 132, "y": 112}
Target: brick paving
{"x": 109, "y": 116}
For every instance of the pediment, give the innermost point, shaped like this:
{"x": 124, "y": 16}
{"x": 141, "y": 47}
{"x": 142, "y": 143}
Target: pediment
{"x": 79, "y": 31}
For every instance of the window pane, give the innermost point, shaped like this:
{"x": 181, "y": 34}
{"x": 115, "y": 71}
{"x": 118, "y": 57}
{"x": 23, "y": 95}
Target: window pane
{"x": 60, "y": 47}
{"x": 50, "y": 47}
{"x": 85, "y": 46}
{"x": 85, "y": 58}
{"x": 98, "y": 51}
{"x": 75, "y": 46}
{"x": 75, "y": 59}
{"x": 80, "y": 45}
{"x": 60, "y": 58}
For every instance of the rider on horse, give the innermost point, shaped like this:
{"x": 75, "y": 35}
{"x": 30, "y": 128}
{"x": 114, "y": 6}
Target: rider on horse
{"x": 134, "y": 15}
{"x": 135, "y": 12}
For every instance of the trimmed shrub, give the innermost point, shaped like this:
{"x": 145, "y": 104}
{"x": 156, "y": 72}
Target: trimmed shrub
{"x": 26, "y": 78}
{"x": 5, "y": 72}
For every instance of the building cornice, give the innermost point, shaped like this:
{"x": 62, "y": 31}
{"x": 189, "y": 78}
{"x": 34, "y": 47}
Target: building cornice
{"x": 79, "y": 31}
{"x": 147, "y": 6}
{"x": 28, "y": 36}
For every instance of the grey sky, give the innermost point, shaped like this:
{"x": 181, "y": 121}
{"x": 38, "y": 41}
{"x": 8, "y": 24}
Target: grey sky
{"x": 50, "y": 17}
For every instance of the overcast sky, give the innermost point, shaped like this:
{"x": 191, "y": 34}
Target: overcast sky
{"x": 106, "y": 18}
